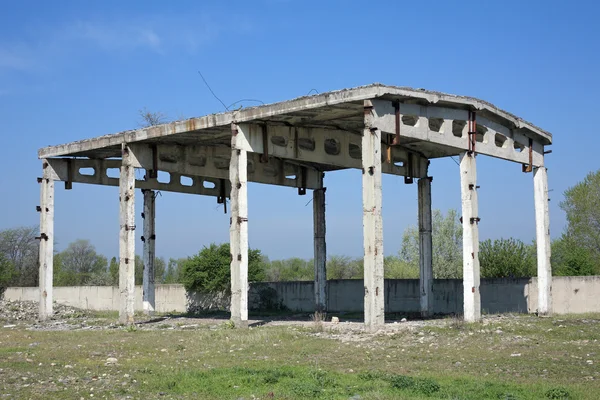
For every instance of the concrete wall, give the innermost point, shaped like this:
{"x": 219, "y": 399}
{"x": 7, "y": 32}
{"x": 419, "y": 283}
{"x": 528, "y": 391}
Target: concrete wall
{"x": 576, "y": 294}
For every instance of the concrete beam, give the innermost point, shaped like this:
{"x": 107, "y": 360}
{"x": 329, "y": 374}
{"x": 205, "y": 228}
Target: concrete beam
{"x": 542, "y": 230}
{"x": 213, "y": 162}
{"x": 96, "y": 172}
{"x": 372, "y": 222}
{"x": 238, "y": 230}
{"x": 127, "y": 237}
{"x": 470, "y": 223}
{"x": 326, "y": 146}
{"x": 149, "y": 238}
{"x": 449, "y": 127}
{"x": 46, "y": 251}
{"x": 425, "y": 248}
{"x": 320, "y": 249}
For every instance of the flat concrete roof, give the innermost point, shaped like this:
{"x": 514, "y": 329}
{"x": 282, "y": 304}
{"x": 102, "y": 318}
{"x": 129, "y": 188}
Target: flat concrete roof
{"x": 340, "y": 109}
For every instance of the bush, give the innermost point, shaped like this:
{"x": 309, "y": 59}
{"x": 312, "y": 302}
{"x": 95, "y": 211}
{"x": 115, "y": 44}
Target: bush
{"x": 209, "y": 270}
{"x": 505, "y": 258}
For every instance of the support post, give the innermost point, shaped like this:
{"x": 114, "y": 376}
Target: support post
{"x": 372, "y": 221}
{"x": 238, "y": 230}
{"x": 425, "y": 248}
{"x": 149, "y": 302}
{"x": 542, "y": 230}
{"x": 46, "y": 238}
{"x": 470, "y": 221}
{"x": 127, "y": 237}
{"x": 320, "y": 249}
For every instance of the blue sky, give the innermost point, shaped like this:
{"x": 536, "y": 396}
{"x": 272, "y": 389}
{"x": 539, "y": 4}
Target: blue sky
{"x": 74, "y": 70}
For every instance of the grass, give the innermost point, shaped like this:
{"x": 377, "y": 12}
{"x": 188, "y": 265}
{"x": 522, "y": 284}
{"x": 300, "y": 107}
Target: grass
{"x": 512, "y": 357}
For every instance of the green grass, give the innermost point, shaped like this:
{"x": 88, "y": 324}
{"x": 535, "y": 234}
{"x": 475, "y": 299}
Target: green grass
{"x": 517, "y": 357}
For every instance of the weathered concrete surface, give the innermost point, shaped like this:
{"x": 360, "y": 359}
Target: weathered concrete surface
{"x": 575, "y": 294}
{"x": 46, "y": 249}
{"x": 425, "y": 247}
{"x": 149, "y": 251}
{"x": 320, "y": 247}
{"x": 372, "y": 221}
{"x": 542, "y": 230}
{"x": 470, "y": 224}
{"x": 127, "y": 237}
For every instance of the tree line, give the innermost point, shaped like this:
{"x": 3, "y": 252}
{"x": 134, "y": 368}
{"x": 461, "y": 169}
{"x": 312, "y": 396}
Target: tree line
{"x": 575, "y": 252}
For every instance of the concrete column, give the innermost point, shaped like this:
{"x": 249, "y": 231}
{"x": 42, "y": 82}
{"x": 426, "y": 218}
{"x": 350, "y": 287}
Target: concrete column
{"x": 542, "y": 230}
{"x": 149, "y": 303}
{"x": 425, "y": 248}
{"x": 320, "y": 248}
{"x": 127, "y": 237}
{"x": 238, "y": 230}
{"x": 372, "y": 222}
{"x": 470, "y": 220}
{"x": 46, "y": 252}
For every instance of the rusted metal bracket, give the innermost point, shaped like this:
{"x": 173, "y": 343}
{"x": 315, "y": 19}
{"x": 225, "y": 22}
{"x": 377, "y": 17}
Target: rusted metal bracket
{"x": 153, "y": 173}
{"x": 222, "y": 197}
{"x": 408, "y": 178}
{"x": 475, "y": 220}
{"x": 302, "y": 188}
{"x": 69, "y": 181}
{"x": 264, "y": 158}
{"x": 471, "y": 186}
{"x": 472, "y": 132}
{"x": 42, "y": 236}
{"x": 130, "y": 227}
{"x": 529, "y": 167}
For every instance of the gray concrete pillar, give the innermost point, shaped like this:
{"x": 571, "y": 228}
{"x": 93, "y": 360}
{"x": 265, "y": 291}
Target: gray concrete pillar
{"x": 542, "y": 230}
{"x": 127, "y": 237}
{"x": 425, "y": 248}
{"x": 470, "y": 221}
{"x": 372, "y": 222}
{"x": 148, "y": 298}
{"x": 46, "y": 238}
{"x": 320, "y": 248}
{"x": 238, "y": 230}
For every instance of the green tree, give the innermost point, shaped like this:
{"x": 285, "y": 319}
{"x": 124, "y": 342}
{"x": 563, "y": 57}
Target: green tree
{"x": 582, "y": 206}
{"x": 446, "y": 245}
{"x": 20, "y": 248}
{"x": 113, "y": 270}
{"x": 174, "y": 270}
{"x": 571, "y": 259}
{"x": 291, "y": 269}
{"x": 344, "y": 267}
{"x": 160, "y": 268}
{"x": 395, "y": 268}
{"x": 6, "y": 273}
{"x": 209, "y": 270}
{"x": 79, "y": 262}
{"x": 505, "y": 258}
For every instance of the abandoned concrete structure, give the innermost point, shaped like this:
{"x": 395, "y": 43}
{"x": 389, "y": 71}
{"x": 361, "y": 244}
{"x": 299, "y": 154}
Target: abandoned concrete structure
{"x": 379, "y": 129}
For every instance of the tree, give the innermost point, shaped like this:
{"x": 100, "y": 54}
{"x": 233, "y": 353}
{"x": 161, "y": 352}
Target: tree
{"x": 209, "y": 270}
{"x": 159, "y": 270}
{"x": 291, "y": 269}
{"x": 571, "y": 259}
{"x": 20, "y": 248}
{"x": 174, "y": 270}
{"x": 113, "y": 270}
{"x": 446, "y": 246}
{"x": 6, "y": 273}
{"x": 582, "y": 206}
{"x": 395, "y": 268}
{"x": 344, "y": 267}
{"x": 150, "y": 118}
{"x": 505, "y": 258}
{"x": 79, "y": 262}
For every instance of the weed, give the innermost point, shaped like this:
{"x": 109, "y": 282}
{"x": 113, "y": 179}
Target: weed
{"x": 557, "y": 394}
{"x": 423, "y": 386}
{"x": 131, "y": 328}
{"x": 228, "y": 324}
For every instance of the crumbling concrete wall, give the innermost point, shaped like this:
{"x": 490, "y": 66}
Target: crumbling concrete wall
{"x": 573, "y": 294}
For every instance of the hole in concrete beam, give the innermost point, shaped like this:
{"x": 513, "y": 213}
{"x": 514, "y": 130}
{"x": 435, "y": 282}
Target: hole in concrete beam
{"x": 480, "y": 133}
{"x": 354, "y": 151}
{"x": 164, "y": 177}
{"x": 87, "y": 171}
{"x": 457, "y": 128}
{"x": 209, "y": 184}
{"x": 291, "y": 176}
{"x": 399, "y": 163}
{"x": 221, "y": 163}
{"x": 279, "y": 141}
{"x": 113, "y": 172}
{"x": 410, "y": 120}
{"x": 186, "y": 181}
{"x": 500, "y": 140}
{"x": 519, "y": 147}
{"x": 306, "y": 144}
{"x": 332, "y": 147}
{"x": 435, "y": 124}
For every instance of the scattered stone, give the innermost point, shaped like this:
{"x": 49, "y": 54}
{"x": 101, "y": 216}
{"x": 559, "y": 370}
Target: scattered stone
{"x": 111, "y": 360}
{"x": 68, "y": 366}
{"x": 403, "y": 320}
{"x": 590, "y": 362}
{"x": 515, "y": 355}
{"x": 457, "y": 364}
{"x": 335, "y": 320}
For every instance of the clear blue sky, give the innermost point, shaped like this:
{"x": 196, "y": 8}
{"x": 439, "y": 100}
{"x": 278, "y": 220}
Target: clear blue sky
{"x": 74, "y": 70}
